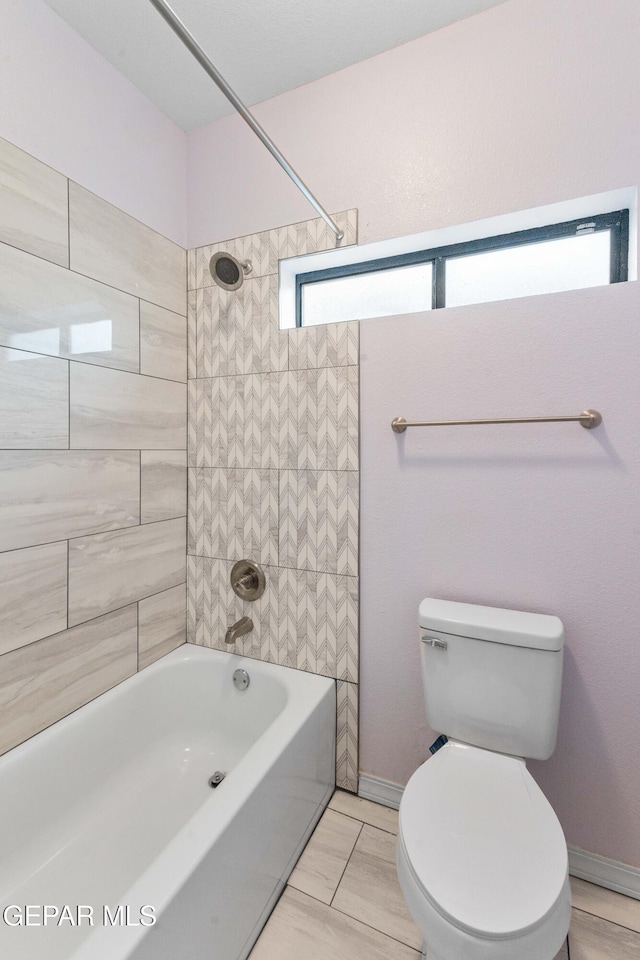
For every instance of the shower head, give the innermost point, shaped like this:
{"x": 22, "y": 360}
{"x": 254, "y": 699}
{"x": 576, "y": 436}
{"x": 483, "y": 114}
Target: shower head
{"x": 228, "y": 272}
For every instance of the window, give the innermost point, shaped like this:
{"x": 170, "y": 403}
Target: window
{"x": 565, "y": 256}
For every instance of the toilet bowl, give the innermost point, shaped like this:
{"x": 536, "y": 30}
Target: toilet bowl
{"x": 482, "y": 859}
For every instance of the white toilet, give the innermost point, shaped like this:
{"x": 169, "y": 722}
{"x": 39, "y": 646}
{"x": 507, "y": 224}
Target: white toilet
{"x": 482, "y": 859}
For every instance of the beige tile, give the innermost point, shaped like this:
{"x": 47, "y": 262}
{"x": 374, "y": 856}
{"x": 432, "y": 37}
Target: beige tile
{"x": 162, "y": 624}
{"x": 591, "y": 938}
{"x": 47, "y": 680}
{"x": 320, "y": 867}
{"x": 607, "y": 904}
{"x": 34, "y": 399}
{"x": 163, "y": 343}
{"x": 164, "y": 484}
{"x": 33, "y": 594}
{"x": 109, "y": 245}
{"x": 301, "y": 928}
{"x": 124, "y": 411}
{"x": 369, "y": 890}
{"x": 373, "y": 813}
{"x": 33, "y": 205}
{"x": 47, "y": 496}
{"x": 110, "y": 570}
{"x": 46, "y": 309}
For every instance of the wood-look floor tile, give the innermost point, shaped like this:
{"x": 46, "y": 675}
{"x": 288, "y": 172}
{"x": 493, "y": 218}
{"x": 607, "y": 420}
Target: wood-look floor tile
{"x": 591, "y": 938}
{"x": 301, "y": 928}
{"x": 322, "y": 864}
{"x": 373, "y": 813}
{"x": 607, "y": 904}
{"x": 369, "y": 890}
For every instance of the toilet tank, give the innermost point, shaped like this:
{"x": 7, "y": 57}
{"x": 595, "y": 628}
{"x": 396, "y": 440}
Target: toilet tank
{"x": 492, "y": 677}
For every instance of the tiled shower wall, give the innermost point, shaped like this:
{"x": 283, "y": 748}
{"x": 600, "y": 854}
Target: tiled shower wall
{"x": 273, "y": 471}
{"x": 92, "y": 446}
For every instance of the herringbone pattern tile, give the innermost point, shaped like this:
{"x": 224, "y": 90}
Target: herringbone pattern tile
{"x": 327, "y": 345}
{"x": 305, "y": 620}
{"x": 237, "y": 332}
{"x": 347, "y": 736}
{"x": 266, "y": 248}
{"x": 233, "y": 514}
{"x": 273, "y": 457}
{"x": 303, "y": 419}
{"x": 319, "y": 521}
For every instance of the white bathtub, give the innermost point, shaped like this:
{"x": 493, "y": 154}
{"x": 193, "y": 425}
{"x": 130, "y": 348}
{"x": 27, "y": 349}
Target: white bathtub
{"x": 111, "y": 807}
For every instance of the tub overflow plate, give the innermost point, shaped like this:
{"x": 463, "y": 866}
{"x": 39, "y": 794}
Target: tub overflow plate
{"x": 241, "y": 679}
{"x": 216, "y": 779}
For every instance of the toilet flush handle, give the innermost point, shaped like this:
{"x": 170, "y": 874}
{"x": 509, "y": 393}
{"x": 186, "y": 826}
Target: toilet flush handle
{"x": 435, "y": 642}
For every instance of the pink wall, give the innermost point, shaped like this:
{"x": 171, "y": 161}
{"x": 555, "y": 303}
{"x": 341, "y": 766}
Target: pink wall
{"x": 529, "y": 103}
{"x": 62, "y": 102}
{"x": 533, "y": 517}
{"x": 507, "y": 110}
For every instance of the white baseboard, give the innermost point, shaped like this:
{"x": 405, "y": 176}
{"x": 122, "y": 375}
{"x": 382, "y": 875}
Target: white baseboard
{"x": 606, "y": 873}
{"x": 380, "y": 791}
{"x": 611, "y": 874}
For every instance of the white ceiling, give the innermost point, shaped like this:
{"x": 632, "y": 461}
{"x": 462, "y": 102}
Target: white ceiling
{"x": 261, "y": 47}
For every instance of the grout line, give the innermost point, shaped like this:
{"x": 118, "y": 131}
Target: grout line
{"x": 68, "y": 225}
{"x": 613, "y": 923}
{"x": 91, "y": 363}
{"x": 377, "y": 930}
{"x": 382, "y": 933}
{"x": 68, "y": 584}
{"x": 347, "y": 862}
{"x": 364, "y": 822}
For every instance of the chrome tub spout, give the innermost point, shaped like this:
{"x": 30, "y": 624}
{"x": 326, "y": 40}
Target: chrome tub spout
{"x": 239, "y": 629}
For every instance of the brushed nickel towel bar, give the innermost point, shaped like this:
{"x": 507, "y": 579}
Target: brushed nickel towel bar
{"x": 587, "y": 419}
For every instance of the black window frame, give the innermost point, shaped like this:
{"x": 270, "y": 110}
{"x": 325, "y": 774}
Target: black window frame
{"x": 616, "y": 221}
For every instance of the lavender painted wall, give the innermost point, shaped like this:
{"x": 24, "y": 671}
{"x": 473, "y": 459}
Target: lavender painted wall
{"x": 532, "y": 517}
{"x": 63, "y": 103}
{"x": 507, "y": 110}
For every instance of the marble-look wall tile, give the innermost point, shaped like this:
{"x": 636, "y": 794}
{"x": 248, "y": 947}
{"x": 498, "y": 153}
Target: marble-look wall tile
{"x": 109, "y": 570}
{"x": 305, "y": 620}
{"x": 347, "y": 736}
{"x": 109, "y": 245}
{"x": 318, "y": 527}
{"x": 237, "y": 332}
{"x": 162, "y": 623}
{"x": 111, "y": 409}
{"x": 302, "y": 419}
{"x": 46, "y": 309}
{"x": 192, "y": 335}
{"x": 265, "y": 249}
{"x": 325, "y": 345}
{"x": 33, "y": 205}
{"x": 47, "y": 496}
{"x": 163, "y": 343}
{"x": 43, "y": 682}
{"x": 233, "y": 514}
{"x": 34, "y": 399}
{"x": 163, "y": 490}
{"x": 33, "y": 594}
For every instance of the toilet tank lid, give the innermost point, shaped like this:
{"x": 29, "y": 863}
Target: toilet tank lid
{"x": 537, "y": 631}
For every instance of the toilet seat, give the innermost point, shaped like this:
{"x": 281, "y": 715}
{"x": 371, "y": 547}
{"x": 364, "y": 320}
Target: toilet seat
{"x": 482, "y": 845}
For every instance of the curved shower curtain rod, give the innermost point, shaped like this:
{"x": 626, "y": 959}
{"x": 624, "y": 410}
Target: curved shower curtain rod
{"x": 196, "y": 50}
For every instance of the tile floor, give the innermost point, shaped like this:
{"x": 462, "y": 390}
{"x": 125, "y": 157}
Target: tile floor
{"x": 343, "y": 901}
